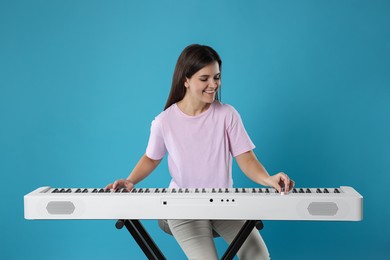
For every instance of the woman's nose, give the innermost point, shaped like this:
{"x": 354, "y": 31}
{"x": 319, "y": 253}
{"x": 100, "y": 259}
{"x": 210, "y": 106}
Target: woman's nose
{"x": 214, "y": 83}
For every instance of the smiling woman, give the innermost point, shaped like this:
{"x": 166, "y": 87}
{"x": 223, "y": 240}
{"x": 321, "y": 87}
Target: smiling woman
{"x": 200, "y": 136}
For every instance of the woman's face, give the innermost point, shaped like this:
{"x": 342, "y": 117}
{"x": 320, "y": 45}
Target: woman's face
{"x": 203, "y": 85}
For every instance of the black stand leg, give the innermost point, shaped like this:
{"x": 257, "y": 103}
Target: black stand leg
{"x": 143, "y": 239}
{"x": 151, "y": 250}
{"x": 241, "y": 237}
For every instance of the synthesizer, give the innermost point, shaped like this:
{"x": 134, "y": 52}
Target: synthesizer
{"x": 317, "y": 204}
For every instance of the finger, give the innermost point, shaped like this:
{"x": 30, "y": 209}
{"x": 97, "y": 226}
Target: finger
{"x": 116, "y": 184}
{"x": 109, "y": 186}
{"x": 278, "y": 187}
{"x": 287, "y": 184}
{"x": 285, "y": 180}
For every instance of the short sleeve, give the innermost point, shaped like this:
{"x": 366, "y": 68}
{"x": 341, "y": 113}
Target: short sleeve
{"x": 156, "y": 149}
{"x": 239, "y": 139}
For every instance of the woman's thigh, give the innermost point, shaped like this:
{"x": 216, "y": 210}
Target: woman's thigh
{"x": 195, "y": 237}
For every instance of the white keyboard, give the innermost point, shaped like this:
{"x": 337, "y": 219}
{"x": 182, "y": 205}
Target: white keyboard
{"x": 321, "y": 204}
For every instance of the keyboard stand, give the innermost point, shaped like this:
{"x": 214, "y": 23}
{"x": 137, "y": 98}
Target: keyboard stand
{"x": 151, "y": 250}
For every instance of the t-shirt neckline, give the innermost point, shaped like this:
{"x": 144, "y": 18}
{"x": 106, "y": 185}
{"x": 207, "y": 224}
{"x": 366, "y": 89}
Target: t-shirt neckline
{"x": 181, "y": 113}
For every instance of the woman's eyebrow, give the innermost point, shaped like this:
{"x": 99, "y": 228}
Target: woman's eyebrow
{"x": 206, "y": 75}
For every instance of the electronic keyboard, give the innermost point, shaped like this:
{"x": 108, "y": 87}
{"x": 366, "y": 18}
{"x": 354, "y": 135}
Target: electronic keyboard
{"x": 318, "y": 204}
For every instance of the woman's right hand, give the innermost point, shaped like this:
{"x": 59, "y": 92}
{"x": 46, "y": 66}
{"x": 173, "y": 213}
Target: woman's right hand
{"x": 118, "y": 184}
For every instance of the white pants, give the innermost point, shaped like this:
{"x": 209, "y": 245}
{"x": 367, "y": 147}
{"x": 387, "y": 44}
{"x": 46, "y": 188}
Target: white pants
{"x": 195, "y": 237}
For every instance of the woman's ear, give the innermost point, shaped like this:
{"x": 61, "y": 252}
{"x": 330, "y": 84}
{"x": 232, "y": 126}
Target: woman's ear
{"x": 187, "y": 83}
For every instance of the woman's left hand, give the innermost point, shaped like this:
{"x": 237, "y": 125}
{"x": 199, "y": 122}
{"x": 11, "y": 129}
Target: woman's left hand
{"x": 279, "y": 181}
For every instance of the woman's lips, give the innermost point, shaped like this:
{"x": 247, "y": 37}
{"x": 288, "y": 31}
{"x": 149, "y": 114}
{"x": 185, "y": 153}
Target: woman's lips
{"x": 210, "y": 91}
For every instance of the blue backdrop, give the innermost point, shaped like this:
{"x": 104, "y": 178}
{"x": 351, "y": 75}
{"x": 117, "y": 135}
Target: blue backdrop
{"x": 81, "y": 82}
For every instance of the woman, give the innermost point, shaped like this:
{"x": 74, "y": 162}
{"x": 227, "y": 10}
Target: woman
{"x": 201, "y": 135}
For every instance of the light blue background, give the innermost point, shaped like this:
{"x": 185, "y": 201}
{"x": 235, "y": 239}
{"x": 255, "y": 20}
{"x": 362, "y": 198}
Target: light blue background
{"x": 82, "y": 80}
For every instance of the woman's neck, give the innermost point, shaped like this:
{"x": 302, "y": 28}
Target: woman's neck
{"x": 192, "y": 108}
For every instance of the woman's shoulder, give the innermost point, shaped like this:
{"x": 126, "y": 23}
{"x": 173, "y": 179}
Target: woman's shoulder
{"x": 225, "y": 108}
{"x": 163, "y": 115}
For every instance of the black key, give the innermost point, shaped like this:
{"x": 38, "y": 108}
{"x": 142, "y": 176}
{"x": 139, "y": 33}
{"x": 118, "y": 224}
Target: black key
{"x": 164, "y": 190}
{"x": 118, "y": 190}
{"x": 107, "y": 191}
{"x": 301, "y": 190}
{"x": 220, "y": 190}
{"x": 78, "y": 190}
{"x": 260, "y": 190}
{"x": 85, "y": 190}
{"x": 318, "y": 190}
{"x": 336, "y": 191}
{"x": 125, "y": 190}
{"x": 236, "y": 191}
{"x": 308, "y": 190}
{"x": 196, "y": 190}
{"x": 254, "y": 190}
{"x": 62, "y": 190}
{"x": 226, "y": 190}
{"x": 95, "y": 190}
{"x": 213, "y": 190}
{"x": 266, "y": 190}
{"x": 101, "y": 190}
{"x": 294, "y": 190}
{"x": 187, "y": 190}
{"x": 134, "y": 190}
{"x": 68, "y": 190}
{"x": 203, "y": 190}
{"x": 140, "y": 190}
{"x": 243, "y": 190}
{"x": 173, "y": 190}
{"x": 147, "y": 190}
{"x": 326, "y": 190}
{"x": 55, "y": 191}
{"x": 157, "y": 190}
{"x": 180, "y": 190}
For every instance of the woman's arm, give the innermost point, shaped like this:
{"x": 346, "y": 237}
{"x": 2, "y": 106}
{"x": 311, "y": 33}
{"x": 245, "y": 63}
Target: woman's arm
{"x": 143, "y": 168}
{"x": 255, "y": 171}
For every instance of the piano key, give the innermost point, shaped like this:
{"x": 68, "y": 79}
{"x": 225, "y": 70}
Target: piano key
{"x": 95, "y": 190}
{"x": 326, "y": 190}
{"x": 318, "y": 190}
{"x": 85, "y": 190}
{"x": 336, "y": 191}
{"x": 308, "y": 190}
{"x": 78, "y": 190}
{"x": 55, "y": 191}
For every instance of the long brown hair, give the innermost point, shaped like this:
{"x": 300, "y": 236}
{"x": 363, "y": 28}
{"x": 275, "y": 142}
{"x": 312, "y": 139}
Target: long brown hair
{"x": 192, "y": 59}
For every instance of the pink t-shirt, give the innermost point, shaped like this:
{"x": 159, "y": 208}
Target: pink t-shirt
{"x": 200, "y": 148}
